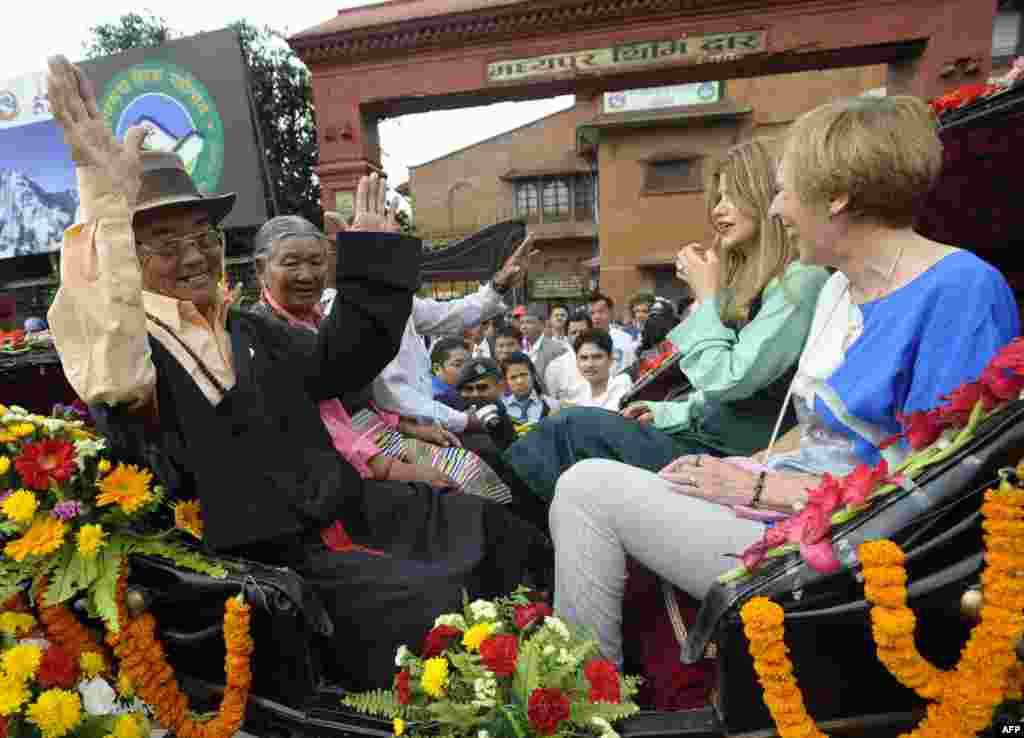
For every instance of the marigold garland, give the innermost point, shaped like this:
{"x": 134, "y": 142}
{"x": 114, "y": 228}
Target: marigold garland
{"x": 144, "y": 664}
{"x": 62, "y": 628}
{"x": 964, "y": 697}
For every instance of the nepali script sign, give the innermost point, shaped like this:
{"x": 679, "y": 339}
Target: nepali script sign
{"x": 691, "y": 49}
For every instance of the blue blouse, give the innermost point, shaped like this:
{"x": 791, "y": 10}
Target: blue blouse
{"x": 920, "y": 342}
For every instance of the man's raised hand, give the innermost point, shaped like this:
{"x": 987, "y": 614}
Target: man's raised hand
{"x": 514, "y": 270}
{"x": 92, "y": 143}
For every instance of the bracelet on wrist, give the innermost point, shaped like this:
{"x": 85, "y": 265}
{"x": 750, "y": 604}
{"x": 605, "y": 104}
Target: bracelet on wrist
{"x": 755, "y": 501}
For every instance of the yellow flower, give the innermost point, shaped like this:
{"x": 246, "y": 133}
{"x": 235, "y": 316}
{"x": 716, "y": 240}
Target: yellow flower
{"x": 20, "y": 506}
{"x": 91, "y": 538}
{"x": 6, "y": 437}
{"x": 125, "y": 685}
{"x": 399, "y": 726}
{"x": 91, "y": 663}
{"x": 5, "y": 464}
{"x": 127, "y": 726}
{"x": 127, "y": 486}
{"x": 13, "y": 694}
{"x": 435, "y": 676}
{"x": 3, "y": 409}
{"x": 103, "y": 467}
{"x": 20, "y": 430}
{"x": 477, "y": 635}
{"x": 56, "y": 713}
{"x": 16, "y": 623}
{"x": 188, "y": 517}
{"x": 22, "y": 661}
{"x": 45, "y": 536}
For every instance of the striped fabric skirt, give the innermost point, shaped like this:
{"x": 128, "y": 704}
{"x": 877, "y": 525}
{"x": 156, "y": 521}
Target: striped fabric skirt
{"x": 469, "y": 471}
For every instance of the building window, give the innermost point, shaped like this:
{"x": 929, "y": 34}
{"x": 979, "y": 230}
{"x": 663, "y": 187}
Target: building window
{"x": 673, "y": 175}
{"x": 527, "y": 201}
{"x": 583, "y": 197}
{"x": 555, "y": 196}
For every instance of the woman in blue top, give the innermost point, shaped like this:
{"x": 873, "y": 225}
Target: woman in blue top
{"x": 903, "y": 321}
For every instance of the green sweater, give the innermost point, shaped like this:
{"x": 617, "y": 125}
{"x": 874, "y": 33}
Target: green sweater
{"x": 727, "y": 367}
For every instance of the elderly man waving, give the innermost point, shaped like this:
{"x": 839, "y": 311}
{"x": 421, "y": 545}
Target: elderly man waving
{"x": 224, "y": 404}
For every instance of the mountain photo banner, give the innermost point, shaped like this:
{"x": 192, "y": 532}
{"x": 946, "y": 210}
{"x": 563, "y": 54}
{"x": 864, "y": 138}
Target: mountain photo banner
{"x": 191, "y": 93}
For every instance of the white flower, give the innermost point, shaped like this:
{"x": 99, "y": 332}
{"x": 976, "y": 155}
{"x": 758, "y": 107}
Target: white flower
{"x": 486, "y": 689}
{"x": 41, "y": 643}
{"x": 402, "y": 654}
{"x": 483, "y": 734}
{"x": 84, "y": 449}
{"x": 483, "y": 610}
{"x": 548, "y": 650}
{"x": 557, "y": 626}
{"x": 453, "y": 620}
{"x": 53, "y": 424}
{"x": 565, "y": 658}
{"x": 605, "y": 727}
{"x": 98, "y": 697}
{"x": 483, "y": 703}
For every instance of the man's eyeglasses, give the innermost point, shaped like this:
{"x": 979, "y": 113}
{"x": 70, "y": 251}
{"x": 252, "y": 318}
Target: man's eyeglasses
{"x": 206, "y": 241}
{"x": 477, "y": 388}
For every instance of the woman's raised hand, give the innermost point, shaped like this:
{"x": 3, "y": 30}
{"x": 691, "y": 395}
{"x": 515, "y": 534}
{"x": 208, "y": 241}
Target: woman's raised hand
{"x": 372, "y": 211}
{"x": 700, "y": 267}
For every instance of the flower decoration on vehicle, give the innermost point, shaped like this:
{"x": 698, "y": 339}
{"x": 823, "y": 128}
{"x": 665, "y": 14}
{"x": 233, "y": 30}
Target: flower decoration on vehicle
{"x": 971, "y": 93}
{"x": 932, "y": 436}
{"x": 962, "y": 699}
{"x": 655, "y": 358}
{"x": 503, "y": 667}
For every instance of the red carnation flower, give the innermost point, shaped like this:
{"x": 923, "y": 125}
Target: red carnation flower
{"x": 402, "y": 686}
{"x": 46, "y": 461}
{"x": 1002, "y": 384}
{"x": 862, "y": 482}
{"x": 500, "y": 653}
{"x": 57, "y": 669}
{"x": 527, "y": 614}
{"x": 439, "y": 639}
{"x": 546, "y": 709}
{"x": 604, "y": 681}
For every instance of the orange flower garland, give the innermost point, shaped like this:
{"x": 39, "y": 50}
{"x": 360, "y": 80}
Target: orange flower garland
{"x": 62, "y": 627}
{"x": 144, "y": 664}
{"x": 963, "y": 698}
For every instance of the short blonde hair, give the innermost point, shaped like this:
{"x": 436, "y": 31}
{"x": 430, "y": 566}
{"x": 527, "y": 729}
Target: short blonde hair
{"x": 749, "y": 170}
{"x": 883, "y": 153}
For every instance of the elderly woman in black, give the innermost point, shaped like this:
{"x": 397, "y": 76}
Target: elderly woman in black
{"x": 224, "y": 404}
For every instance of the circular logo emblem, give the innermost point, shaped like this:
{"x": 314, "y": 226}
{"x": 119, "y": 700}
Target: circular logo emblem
{"x": 178, "y": 110}
{"x": 8, "y": 105}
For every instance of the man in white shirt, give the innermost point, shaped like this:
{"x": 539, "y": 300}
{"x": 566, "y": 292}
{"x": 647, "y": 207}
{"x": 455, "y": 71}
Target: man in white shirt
{"x": 563, "y": 380}
{"x": 405, "y": 385}
{"x": 624, "y": 347}
{"x": 541, "y": 349}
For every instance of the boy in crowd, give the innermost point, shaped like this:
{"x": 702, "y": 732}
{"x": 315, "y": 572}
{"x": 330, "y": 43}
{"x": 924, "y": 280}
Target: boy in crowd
{"x": 563, "y": 380}
{"x": 507, "y": 341}
{"x": 525, "y": 404}
{"x": 623, "y": 346}
{"x": 447, "y": 360}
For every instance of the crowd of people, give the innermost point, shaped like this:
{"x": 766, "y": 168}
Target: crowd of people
{"x": 513, "y": 448}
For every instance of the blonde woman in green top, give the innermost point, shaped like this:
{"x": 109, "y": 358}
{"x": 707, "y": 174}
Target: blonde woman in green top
{"x": 739, "y": 347}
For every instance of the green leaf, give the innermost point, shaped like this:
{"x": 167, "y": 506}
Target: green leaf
{"x": 60, "y": 588}
{"x": 104, "y": 590}
{"x": 527, "y": 676}
{"x": 179, "y": 555}
{"x": 555, "y": 677}
{"x": 379, "y": 702}
{"x": 461, "y": 716}
{"x": 583, "y": 712}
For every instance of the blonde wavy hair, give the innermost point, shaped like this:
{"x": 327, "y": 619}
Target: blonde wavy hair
{"x": 749, "y": 171}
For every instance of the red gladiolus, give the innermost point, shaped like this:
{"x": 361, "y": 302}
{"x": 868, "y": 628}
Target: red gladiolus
{"x": 820, "y": 556}
{"x": 402, "y": 686}
{"x": 922, "y": 428}
{"x": 546, "y": 709}
{"x": 604, "y": 681}
{"x": 1002, "y": 384}
{"x": 754, "y": 554}
{"x": 500, "y": 654}
{"x": 527, "y": 614}
{"x": 439, "y": 639}
{"x": 828, "y": 495}
{"x": 1010, "y": 357}
{"x": 46, "y": 461}
{"x": 57, "y": 669}
{"x": 810, "y": 525}
{"x": 961, "y": 402}
{"x": 864, "y": 480}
